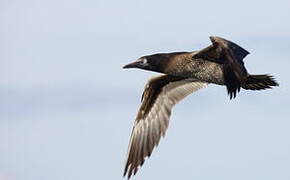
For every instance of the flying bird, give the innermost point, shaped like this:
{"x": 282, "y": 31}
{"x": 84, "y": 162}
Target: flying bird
{"x": 185, "y": 72}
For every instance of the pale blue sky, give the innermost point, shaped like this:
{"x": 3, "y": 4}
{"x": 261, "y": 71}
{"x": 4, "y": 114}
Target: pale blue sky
{"x": 67, "y": 107}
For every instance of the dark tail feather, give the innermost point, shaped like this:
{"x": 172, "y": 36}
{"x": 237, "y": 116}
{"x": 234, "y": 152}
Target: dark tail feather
{"x": 259, "y": 82}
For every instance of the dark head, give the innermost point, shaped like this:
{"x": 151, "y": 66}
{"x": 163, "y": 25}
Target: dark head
{"x": 155, "y": 62}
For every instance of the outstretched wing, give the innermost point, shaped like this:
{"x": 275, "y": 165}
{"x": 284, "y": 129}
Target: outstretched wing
{"x": 231, "y": 56}
{"x": 160, "y": 95}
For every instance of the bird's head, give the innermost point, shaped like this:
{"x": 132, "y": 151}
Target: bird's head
{"x": 153, "y": 62}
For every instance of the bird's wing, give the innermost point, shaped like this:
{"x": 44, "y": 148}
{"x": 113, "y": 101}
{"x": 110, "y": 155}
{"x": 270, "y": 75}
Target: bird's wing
{"x": 231, "y": 56}
{"x": 160, "y": 95}
{"x": 215, "y": 52}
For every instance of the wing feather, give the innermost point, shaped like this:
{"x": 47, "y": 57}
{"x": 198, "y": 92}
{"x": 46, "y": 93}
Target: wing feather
{"x": 160, "y": 95}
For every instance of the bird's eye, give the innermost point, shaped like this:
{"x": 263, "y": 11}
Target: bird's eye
{"x": 144, "y": 61}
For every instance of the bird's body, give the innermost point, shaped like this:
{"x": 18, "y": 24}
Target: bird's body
{"x": 185, "y": 72}
{"x": 185, "y": 65}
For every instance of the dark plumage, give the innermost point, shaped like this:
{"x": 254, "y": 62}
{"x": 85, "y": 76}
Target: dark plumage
{"x": 220, "y": 63}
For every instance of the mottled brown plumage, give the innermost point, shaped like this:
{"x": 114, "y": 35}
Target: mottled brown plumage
{"x": 220, "y": 63}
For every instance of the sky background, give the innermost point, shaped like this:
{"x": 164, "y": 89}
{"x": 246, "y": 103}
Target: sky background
{"x": 67, "y": 107}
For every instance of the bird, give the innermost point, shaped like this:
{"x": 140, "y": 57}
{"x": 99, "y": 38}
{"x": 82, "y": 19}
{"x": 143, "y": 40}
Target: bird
{"x": 183, "y": 73}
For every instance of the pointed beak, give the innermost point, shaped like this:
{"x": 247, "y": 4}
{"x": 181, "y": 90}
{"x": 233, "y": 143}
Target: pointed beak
{"x": 131, "y": 65}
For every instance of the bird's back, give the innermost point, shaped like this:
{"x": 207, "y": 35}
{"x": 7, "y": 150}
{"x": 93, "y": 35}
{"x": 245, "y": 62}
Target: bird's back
{"x": 185, "y": 65}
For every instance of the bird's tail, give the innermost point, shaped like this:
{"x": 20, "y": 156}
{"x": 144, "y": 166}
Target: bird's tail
{"x": 259, "y": 82}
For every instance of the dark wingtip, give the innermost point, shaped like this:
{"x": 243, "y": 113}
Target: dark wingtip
{"x": 126, "y": 171}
